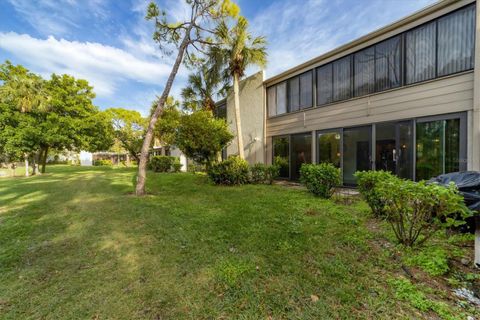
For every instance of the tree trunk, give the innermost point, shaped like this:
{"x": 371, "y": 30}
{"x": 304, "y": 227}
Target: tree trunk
{"x": 236, "y": 102}
{"x": 142, "y": 165}
{"x": 34, "y": 164}
{"x": 26, "y": 165}
{"x": 44, "y": 159}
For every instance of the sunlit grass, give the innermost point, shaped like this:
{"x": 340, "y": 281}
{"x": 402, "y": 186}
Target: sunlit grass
{"x": 75, "y": 244}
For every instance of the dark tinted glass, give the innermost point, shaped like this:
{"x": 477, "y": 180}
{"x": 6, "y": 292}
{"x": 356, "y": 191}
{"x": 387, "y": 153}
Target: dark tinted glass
{"x": 324, "y": 84}
{"x": 387, "y": 64}
{"x": 342, "y": 79}
{"x": 364, "y": 66}
{"x": 456, "y": 41}
{"x": 281, "y": 155}
{"x": 301, "y": 152}
{"x": 420, "y": 53}
{"x": 306, "y": 90}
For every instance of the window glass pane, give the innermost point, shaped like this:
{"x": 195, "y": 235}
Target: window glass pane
{"x": 293, "y": 94}
{"x": 324, "y": 84}
{"x": 456, "y": 41}
{"x": 341, "y": 79}
{"x": 281, "y": 155}
{"x": 272, "y": 106}
{"x": 329, "y": 146}
{"x": 438, "y": 148}
{"x": 387, "y": 64}
{"x": 452, "y": 146}
{"x": 356, "y": 152}
{"x": 306, "y": 90}
{"x": 405, "y": 151}
{"x": 281, "y": 98}
{"x": 420, "y": 53}
{"x": 221, "y": 111}
{"x": 364, "y": 62}
{"x": 301, "y": 152}
{"x": 385, "y": 148}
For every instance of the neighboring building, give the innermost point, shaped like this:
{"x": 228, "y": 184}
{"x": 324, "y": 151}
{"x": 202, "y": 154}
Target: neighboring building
{"x": 404, "y": 98}
{"x": 86, "y": 158}
{"x": 159, "y": 150}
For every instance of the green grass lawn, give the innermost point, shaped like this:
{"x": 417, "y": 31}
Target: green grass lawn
{"x": 74, "y": 244}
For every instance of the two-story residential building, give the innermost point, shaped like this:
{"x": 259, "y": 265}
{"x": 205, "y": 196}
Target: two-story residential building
{"x": 404, "y": 98}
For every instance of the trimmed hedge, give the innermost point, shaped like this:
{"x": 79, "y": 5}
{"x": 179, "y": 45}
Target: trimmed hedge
{"x": 232, "y": 171}
{"x": 320, "y": 179}
{"x": 103, "y": 163}
{"x": 164, "y": 164}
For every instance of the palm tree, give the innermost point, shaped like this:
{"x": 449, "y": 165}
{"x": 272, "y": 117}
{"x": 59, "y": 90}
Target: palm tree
{"x": 201, "y": 87}
{"x": 237, "y": 50}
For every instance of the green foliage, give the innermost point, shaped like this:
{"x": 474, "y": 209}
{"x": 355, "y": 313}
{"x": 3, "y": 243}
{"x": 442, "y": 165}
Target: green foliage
{"x": 434, "y": 261}
{"x": 415, "y": 210}
{"x": 129, "y": 128}
{"x": 201, "y": 88}
{"x": 101, "y": 162}
{"x": 201, "y": 137}
{"x": 37, "y": 115}
{"x": 320, "y": 179}
{"x": 176, "y": 165}
{"x": 261, "y": 173}
{"x": 168, "y": 123}
{"x": 367, "y": 182}
{"x": 281, "y": 162}
{"x": 161, "y": 163}
{"x": 407, "y": 291}
{"x": 233, "y": 171}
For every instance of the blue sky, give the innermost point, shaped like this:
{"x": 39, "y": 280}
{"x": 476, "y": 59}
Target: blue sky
{"x": 108, "y": 42}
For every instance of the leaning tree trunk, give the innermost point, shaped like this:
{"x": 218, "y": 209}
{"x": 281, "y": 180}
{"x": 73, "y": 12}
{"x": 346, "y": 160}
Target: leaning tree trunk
{"x": 236, "y": 102}
{"x": 142, "y": 165}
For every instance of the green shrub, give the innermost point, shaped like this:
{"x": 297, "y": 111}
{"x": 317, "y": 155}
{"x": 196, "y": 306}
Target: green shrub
{"x": 320, "y": 179}
{"x": 176, "y": 166}
{"x": 103, "y": 163}
{"x": 161, "y": 163}
{"x": 416, "y": 210}
{"x": 261, "y": 173}
{"x": 367, "y": 182}
{"x": 232, "y": 171}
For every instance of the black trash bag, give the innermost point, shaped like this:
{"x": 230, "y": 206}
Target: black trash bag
{"x": 468, "y": 184}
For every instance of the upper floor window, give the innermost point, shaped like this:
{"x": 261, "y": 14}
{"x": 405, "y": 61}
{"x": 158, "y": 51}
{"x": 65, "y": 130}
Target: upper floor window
{"x": 388, "y": 69}
{"x": 436, "y": 48}
{"x": 364, "y": 70}
{"x": 420, "y": 53}
{"x": 300, "y": 92}
{"x": 342, "y": 79}
{"x": 324, "y": 84}
{"x": 456, "y": 41}
{"x": 294, "y": 94}
{"x": 277, "y": 99}
{"x": 306, "y": 93}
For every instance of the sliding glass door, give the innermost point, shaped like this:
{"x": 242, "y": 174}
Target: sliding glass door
{"x": 394, "y": 148}
{"x": 281, "y": 153}
{"x": 329, "y": 147}
{"x": 301, "y": 152}
{"x": 357, "y": 152}
{"x": 441, "y": 146}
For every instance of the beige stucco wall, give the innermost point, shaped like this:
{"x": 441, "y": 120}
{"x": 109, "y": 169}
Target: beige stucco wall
{"x": 252, "y": 118}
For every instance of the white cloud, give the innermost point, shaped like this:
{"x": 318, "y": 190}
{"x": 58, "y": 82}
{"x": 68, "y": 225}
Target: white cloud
{"x": 58, "y": 17}
{"x": 103, "y": 66}
{"x": 297, "y": 31}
